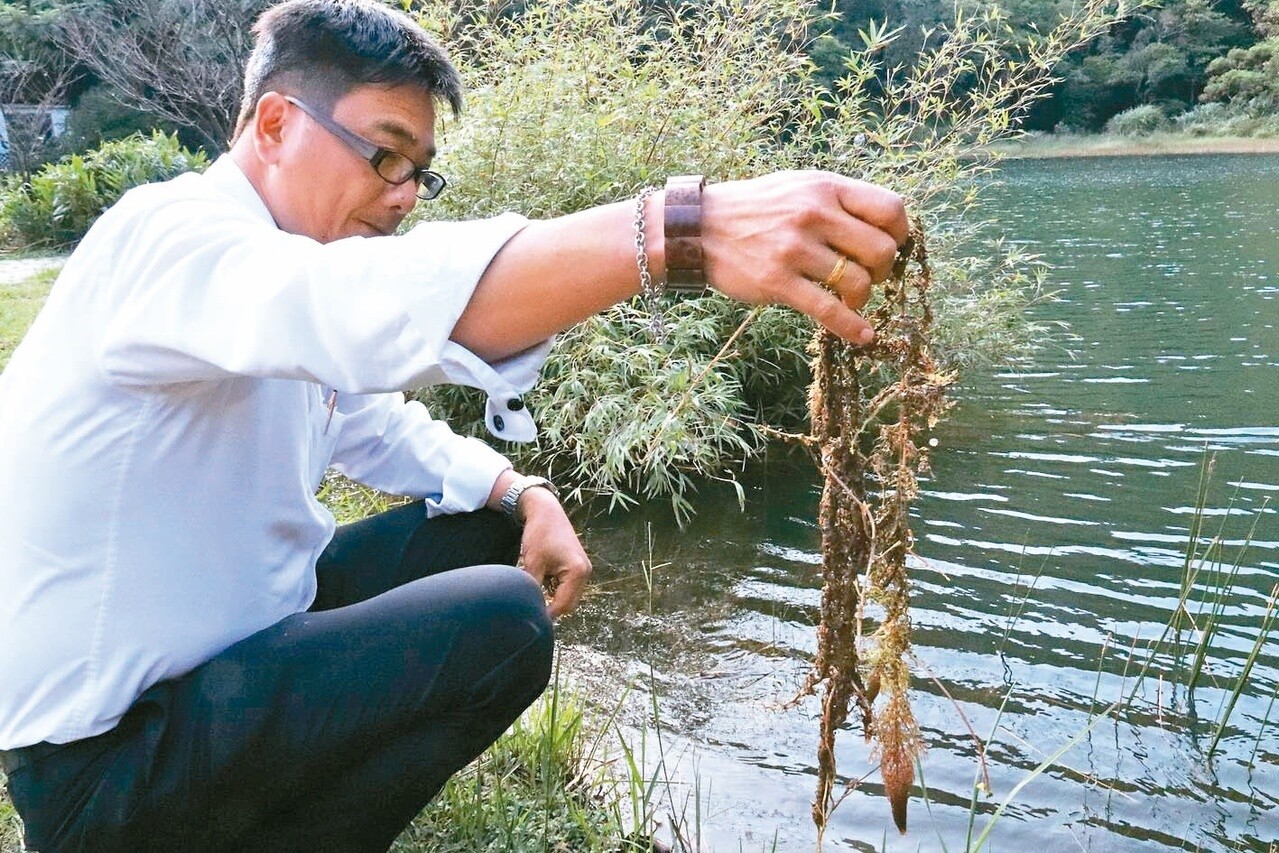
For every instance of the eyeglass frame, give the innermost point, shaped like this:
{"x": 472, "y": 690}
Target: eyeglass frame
{"x": 428, "y": 181}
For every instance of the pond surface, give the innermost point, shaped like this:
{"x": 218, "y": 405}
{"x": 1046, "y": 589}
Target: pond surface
{"x": 1052, "y": 539}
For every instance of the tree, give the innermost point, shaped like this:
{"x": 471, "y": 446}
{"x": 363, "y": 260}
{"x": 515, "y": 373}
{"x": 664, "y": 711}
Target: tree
{"x": 1247, "y": 80}
{"x": 35, "y": 78}
{"x": 1264, "y": 15}
{"x": 177, "y": 60}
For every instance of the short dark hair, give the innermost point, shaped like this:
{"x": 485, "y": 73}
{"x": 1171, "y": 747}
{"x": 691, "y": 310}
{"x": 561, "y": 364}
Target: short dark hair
{"x": 322, "y": 49}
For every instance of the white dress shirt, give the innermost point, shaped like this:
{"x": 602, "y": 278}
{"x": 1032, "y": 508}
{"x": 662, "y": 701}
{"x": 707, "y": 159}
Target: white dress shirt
{"x": 165, "y": 424}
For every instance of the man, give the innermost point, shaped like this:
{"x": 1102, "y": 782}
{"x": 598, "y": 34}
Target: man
{"x": 190, "y": 658}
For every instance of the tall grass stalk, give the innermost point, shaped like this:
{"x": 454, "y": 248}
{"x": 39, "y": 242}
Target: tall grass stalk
{"x": 1096, "y": 687}
{"x": 1203, "y": 559}
{"x": 1048, "y": 762}
{"x": 1188, "y": 569}
{"x": 1265, "y": 721}
{"x": 1263, "y": 634}
{"x": 1224, "y": 585}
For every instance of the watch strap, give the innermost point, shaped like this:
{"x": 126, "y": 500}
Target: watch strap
{"x": 511, "y": 497}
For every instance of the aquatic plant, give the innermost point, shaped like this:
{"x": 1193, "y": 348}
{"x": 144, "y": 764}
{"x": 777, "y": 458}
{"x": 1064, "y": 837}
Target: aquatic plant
{"x": 871, "y": 438}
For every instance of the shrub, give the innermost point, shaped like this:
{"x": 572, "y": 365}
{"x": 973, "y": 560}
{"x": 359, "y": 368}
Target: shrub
{"x": 1222, "y": 119}
{"x": 99, "y": 116}
{"x": 572, "y": 104}
{"x": 1138, "y": 121}
{"x": 56, "y": 206}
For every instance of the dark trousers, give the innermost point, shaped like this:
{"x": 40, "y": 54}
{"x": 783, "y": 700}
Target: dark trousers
{"x": 327, "y": 731}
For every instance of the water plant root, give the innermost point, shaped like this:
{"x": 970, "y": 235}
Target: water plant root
{"x": 872, "y": 410}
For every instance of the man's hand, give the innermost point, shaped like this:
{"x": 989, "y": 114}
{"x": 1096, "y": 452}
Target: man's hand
{"x": 770, "y": 239}
{"x": 550, "y": 550}
{"x": 765, "y": 240}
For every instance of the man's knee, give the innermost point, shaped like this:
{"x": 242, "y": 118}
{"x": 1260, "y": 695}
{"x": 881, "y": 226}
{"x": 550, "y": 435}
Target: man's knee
{"x": 516, "y": 632}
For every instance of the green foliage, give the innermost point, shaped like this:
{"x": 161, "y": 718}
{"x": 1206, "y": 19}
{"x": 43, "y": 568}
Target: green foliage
{"x": 1241, "y": 97}
{"x": 10, "y": 823}
{"x": 541, "y": 787}
{"x": 98, "y": 116}
{"x": 19, "y": 303}
{"x": 1218, "y": 119}
{"x": 1159, "y": 58}
{"x": 1138, "y": 121}
{"x": 58, "y": 204}
{"x": 1264, "y": 15}
{"x": 573, "y": 104}
{"x": 1246, "y": 79}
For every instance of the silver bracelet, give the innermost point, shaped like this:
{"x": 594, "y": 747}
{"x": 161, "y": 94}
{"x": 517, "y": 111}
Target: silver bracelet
{"x": 650, "y": 290}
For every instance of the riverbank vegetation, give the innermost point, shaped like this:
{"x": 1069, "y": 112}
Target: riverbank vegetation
{"x": 1049, "y": 145}
{"x": 584, "y": 103}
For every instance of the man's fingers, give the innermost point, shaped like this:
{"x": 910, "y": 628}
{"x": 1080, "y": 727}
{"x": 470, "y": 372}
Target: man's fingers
{"x": 884, "y": 209}
{"x": 568, "y": 593}
{"x": 830, "y": 311}
{"x": 870, "y": 246}
{"x": 785, "y": 237}
{"x": 848, "y": 280}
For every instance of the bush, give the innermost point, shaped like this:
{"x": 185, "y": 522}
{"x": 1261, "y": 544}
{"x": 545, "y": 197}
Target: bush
{"x": 1138, "y": 121}
{"x": 56, "y": 206}
{"x": 99, "y": 116}
{"x": 1221, "y": 119}
{"x": 572, "y": 104}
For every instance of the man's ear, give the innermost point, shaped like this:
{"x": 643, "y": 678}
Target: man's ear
{"x": 268, "y": 125}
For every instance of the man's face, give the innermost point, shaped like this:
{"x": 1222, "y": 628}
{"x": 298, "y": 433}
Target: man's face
{"x": 325, "y": 189}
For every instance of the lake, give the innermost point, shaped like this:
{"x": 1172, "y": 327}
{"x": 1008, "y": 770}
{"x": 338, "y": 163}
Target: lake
{"x": 1051, "y": 539}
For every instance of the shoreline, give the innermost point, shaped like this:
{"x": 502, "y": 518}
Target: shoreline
{"x": 1106, "y": 145}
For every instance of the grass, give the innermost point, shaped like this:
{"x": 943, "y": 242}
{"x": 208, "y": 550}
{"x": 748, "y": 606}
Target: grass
{"x": 549, "y": 784}
{"x": 1116, "y": 145}
{"x": 10, "y": 826}
{"x": 19, "y": 303}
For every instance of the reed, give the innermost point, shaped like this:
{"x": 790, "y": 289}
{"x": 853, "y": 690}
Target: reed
{"x": 1267, "y": 623}
{"x": 1211, "y": 577}
{"x": 1222, "y": 588}
{"x": 1265, "y": 721}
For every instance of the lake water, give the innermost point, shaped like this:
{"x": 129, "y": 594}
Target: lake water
{"x": 1051, "y": 540}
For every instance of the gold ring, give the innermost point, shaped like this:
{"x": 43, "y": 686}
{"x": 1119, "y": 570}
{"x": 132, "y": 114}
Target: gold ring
{"x": 837, "y": 273}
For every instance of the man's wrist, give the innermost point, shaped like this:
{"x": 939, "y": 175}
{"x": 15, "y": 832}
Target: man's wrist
{"x": 510, "y": 502}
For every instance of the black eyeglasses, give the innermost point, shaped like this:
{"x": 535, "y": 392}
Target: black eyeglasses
{"x": 391, "y": 166}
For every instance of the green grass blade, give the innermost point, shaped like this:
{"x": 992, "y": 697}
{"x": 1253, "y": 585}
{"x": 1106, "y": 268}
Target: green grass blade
{"x": 1262, "y": 636}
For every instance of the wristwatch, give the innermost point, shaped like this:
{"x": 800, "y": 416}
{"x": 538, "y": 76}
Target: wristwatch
{"x": 511, "y": 498}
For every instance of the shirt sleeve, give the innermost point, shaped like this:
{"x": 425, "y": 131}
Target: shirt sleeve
{"x": 396, "y": 446}
{"x": 205, "y": 291}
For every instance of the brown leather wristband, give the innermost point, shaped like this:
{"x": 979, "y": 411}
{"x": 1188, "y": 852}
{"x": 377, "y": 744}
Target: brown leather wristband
{"x": 682, "y": 212}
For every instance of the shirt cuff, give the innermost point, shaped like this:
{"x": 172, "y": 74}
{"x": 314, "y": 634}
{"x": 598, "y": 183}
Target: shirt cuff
{"x": 474, "y": 468}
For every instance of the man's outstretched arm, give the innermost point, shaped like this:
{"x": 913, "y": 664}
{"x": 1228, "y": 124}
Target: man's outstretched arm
{"x": 765, "y": 240}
